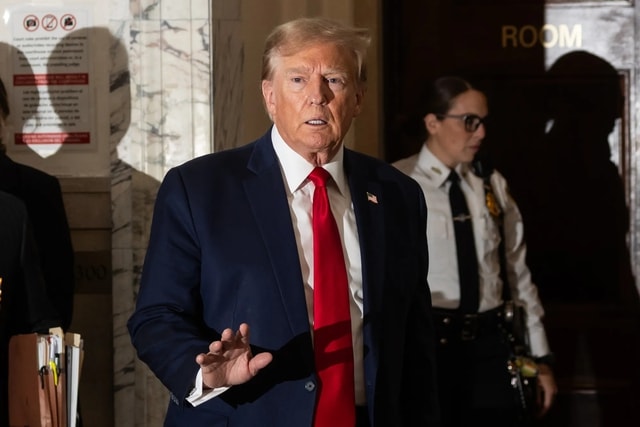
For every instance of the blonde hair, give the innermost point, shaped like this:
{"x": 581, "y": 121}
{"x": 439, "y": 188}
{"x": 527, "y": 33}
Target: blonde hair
{"x": 293, "y": 36}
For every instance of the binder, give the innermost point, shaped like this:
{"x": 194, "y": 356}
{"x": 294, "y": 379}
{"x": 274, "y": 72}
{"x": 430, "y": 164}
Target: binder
{"x": 43, "y": 380}
{"x": 75, "y": 354}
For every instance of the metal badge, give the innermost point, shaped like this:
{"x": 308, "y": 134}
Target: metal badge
{"x": 491, "y": 202}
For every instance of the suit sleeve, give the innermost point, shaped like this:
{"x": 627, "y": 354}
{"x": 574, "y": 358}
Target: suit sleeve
{"x": 420, "y": 339}
{"x": 519, "y": 276}
{"x": 40, "y": 311}
{"x": 25, "y": 300}
{"x": 166, "y": 327}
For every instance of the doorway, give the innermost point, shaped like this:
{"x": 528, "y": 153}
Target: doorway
{"x": 561, "y": 79}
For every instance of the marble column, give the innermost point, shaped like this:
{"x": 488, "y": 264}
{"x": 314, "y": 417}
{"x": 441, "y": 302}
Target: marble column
{"x": 161, "y": 115}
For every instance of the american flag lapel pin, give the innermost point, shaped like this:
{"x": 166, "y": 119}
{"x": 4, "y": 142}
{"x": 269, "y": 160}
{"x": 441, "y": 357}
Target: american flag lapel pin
{"x": 372, "y": 198}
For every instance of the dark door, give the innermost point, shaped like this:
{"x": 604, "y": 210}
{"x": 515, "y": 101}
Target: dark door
{"x": 561, "y": 80}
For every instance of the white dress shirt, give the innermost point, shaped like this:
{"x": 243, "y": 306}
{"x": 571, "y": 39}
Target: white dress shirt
{"x": 443, "y": 279}
{"x": 295, "y": 170}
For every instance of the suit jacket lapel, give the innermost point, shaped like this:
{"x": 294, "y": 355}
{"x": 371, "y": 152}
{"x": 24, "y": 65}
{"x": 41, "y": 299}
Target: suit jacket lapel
{"x": 271, "y": 212}
{"x": 368, "y": 203}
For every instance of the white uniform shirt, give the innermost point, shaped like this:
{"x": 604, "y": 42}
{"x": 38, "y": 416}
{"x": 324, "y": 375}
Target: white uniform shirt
{"x": 443, "y": 279}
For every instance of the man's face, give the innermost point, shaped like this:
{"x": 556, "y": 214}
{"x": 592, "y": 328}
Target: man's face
{"x": 312, "y": 98}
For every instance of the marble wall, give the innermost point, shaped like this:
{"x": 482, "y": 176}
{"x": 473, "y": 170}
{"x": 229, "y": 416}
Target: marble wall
{"x": 161, "y": 115}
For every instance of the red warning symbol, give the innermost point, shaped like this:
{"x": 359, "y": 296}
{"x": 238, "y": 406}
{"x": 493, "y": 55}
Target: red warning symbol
{"x": 49, "y": 22}
{"x": 68, "y": 22}
{"x": 31, "y": 23}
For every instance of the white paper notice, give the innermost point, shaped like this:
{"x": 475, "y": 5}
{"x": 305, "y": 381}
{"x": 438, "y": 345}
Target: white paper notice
{"x": 51, "y": 78}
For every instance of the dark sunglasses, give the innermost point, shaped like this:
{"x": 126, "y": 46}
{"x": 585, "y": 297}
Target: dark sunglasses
{"x": 471, "y": 121}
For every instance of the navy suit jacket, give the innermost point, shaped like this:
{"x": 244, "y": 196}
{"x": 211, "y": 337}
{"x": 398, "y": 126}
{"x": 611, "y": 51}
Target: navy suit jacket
{"x": 222, "y": 251}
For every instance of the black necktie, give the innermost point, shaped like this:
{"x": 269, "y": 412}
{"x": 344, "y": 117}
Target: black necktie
{"x": 465, "y": 247}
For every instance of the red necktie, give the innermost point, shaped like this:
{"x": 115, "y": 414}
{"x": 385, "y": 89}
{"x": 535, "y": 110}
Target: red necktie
{"x": 331, "y": 318}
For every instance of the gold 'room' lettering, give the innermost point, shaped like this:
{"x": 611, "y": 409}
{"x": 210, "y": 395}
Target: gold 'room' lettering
{"x": 547, "y": 36}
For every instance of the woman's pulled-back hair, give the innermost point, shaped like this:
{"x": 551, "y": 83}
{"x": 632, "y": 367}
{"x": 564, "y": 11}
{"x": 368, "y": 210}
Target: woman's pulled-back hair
{"x": 436, "y": 98}
{"x": 439, "y": 96}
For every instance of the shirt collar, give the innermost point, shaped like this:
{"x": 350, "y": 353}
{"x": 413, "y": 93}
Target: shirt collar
{"x": 434, "y": 169}
{"x": 296, "y": 169}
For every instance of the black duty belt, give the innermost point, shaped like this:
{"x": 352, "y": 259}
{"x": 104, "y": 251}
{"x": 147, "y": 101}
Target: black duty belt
{"x": 451, "y": 325}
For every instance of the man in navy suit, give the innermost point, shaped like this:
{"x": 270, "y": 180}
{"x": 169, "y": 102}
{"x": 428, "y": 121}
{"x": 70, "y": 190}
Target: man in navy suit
{"x": 224, "y": 316}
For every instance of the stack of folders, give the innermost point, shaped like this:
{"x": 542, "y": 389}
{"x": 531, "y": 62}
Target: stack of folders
{"x": 44, "y": 374}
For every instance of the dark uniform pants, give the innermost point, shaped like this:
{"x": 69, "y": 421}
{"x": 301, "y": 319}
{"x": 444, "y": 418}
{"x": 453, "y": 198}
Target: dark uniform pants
{"x": 473, "y": 380}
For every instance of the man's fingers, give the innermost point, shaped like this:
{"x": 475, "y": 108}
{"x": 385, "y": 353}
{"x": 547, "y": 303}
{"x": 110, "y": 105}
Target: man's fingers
{"x": 205, "y": 359}
{"x": 227, "y": 335}
{"x": 259, "y": 361}
{"x": 229, "y": 341}
{"x": 243, "y": 333}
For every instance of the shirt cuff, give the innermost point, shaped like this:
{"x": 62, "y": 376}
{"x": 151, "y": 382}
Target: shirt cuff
{"x": 198, "y": 395}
